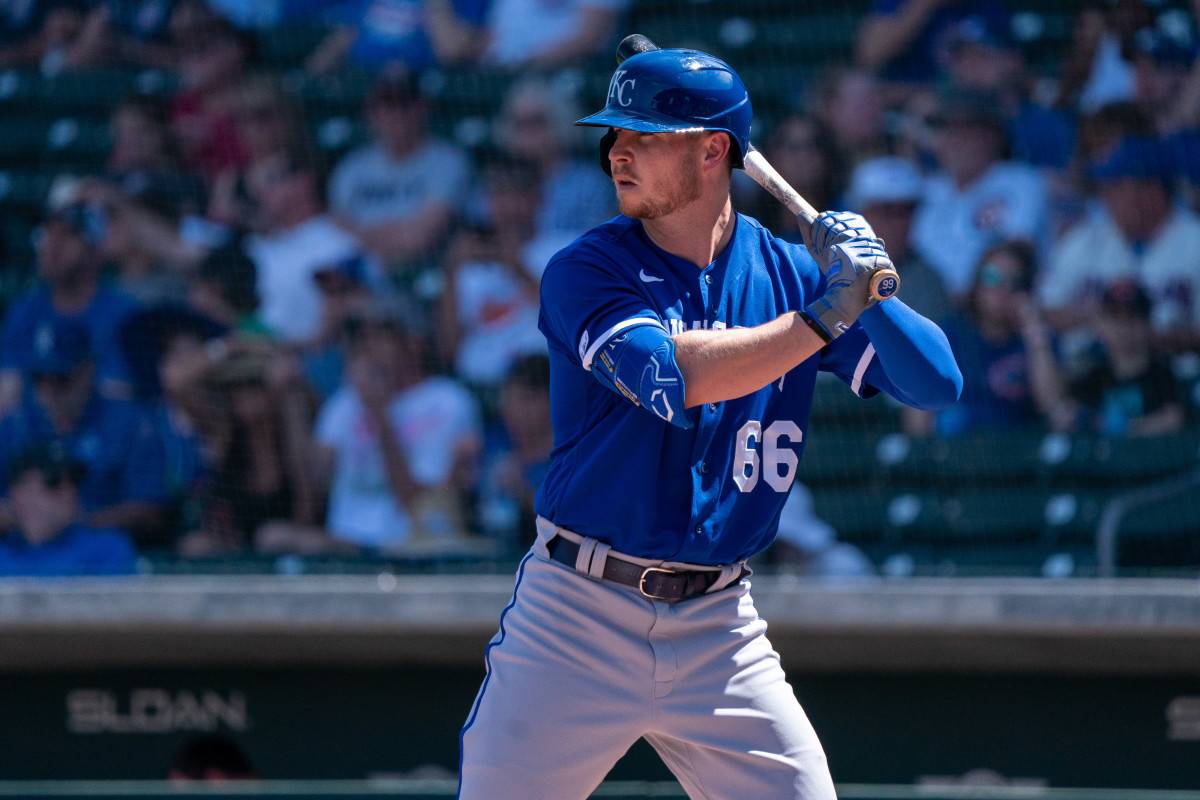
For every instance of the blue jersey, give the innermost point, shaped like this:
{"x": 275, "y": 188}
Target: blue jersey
{"x": 115, "y": 441}
{"x": 709, "y": 490}
{"x": 103, "y": 316}
{"x": 78, "y": 550}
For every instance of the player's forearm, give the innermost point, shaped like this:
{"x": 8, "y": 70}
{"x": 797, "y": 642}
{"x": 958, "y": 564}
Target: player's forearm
{"x": 720, "y": 365}
{"x": 914, "y": 354}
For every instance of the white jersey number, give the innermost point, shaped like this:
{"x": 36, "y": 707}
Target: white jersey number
{"x": 747, "y": 464}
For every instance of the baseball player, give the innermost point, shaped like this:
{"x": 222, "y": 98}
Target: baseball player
{"x": 684, "y": 343}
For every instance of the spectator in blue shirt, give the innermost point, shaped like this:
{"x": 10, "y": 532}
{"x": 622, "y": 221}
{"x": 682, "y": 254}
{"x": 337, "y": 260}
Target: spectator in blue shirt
{"x": 122, "y": 485}
{"x": 50, "y": 539}
{"x": 1003, "y": 347}
{"x": 907, "y": 40}
{"x": 416, "y": 33}
{"x": 68, "y": 266}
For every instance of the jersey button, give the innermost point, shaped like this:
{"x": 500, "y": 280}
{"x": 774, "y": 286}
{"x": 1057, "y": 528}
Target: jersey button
{"x": 708, "y": 279}
{"x": 699, "y": 530}
{"x": 703, "y": 467}
{"x": 712, "y": 407}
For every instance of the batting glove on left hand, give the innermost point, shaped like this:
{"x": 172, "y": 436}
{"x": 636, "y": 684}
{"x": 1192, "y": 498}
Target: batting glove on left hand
{"x": 850, "y": 266}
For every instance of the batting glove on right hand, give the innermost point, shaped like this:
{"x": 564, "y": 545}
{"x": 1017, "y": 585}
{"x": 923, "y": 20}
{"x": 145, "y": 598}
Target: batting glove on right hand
{"x": 851, "y": 264}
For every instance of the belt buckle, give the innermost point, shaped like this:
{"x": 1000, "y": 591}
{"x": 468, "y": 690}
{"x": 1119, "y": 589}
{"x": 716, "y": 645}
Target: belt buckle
{"x": 642, "y": 582}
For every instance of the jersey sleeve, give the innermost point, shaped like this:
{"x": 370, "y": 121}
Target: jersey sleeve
{"x": 584, "y": 305}
{"x": 851, "y": 357}
{"x": 596, "y": 316}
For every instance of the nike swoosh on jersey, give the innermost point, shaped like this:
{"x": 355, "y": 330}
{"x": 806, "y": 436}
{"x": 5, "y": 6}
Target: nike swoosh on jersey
{"x": 647, "y": 277}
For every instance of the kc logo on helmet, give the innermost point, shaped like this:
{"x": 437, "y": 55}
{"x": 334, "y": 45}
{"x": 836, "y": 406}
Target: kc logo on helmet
{"x": 617, "y": 88}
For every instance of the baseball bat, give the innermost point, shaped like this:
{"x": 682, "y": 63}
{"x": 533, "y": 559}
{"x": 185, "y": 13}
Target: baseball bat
{"x": 884, "y": 283}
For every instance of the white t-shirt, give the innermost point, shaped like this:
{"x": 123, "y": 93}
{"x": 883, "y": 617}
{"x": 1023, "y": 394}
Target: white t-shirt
{"x": 1093, "y": 254}
{"x": 290, "y": 302}
{"x": 499, "y": 316}
{"x": 523, "y": 29}
{"x": 953, "y": 227}
{"x": 430, "y": 419}
{"x": 371, "y": 188}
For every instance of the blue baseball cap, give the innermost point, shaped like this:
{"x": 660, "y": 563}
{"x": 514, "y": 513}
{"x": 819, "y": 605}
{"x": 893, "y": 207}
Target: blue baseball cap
{"x": 352, "y": 269}
{"x": 1164, "y": 48}
{"x": 980, "y": 29}
{"x": 59, "y": 346}
{"x": 1142, "y": 157}
{"x": 87, "y": 220}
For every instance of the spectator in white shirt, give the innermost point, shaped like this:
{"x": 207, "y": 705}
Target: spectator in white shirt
{"x": 976, "y": 198}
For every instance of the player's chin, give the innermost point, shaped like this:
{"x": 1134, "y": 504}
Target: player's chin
{"x": 635, "y": 207}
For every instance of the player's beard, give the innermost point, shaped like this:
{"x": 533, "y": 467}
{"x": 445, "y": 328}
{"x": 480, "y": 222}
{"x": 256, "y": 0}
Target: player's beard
{"x": 683, "y": 189}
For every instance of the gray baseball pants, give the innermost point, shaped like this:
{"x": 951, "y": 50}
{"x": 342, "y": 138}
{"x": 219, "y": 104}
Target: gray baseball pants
{"x": 580, "y": 669}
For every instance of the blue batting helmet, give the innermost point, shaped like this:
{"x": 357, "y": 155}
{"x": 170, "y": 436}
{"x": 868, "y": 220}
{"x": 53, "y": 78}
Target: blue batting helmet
{"x": 676, "y": 90}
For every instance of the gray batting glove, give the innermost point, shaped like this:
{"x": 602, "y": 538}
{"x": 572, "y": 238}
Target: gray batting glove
{"x": 850, "y": 265}
{"x": 830, "y": 228}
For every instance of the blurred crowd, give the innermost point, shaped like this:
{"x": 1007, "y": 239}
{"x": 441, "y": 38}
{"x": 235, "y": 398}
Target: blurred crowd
{"x": 235, "y": 346}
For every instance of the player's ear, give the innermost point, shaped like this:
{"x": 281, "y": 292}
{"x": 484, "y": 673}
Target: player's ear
{"x": 717, "y": 146}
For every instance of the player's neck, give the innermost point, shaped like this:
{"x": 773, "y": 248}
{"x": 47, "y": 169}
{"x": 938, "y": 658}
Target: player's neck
{"x": 681, "y": 233}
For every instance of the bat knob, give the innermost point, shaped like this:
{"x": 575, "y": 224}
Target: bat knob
{"x": 884, "y": 284}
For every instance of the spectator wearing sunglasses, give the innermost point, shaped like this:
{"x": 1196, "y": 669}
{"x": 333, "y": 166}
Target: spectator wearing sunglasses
{"x": 1004, "y": 349}
{"x": 50, "y": 538}
{"x": 122, "y": 484}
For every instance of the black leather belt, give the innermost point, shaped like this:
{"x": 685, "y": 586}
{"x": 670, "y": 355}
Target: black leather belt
{"x": 657, "y": 583}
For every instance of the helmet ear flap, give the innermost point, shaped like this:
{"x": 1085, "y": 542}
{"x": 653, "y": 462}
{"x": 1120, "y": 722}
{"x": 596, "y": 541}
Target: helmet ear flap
{"x": 606, "y": 144}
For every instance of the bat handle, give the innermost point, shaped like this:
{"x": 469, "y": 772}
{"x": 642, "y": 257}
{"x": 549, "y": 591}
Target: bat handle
{"x": 884, "y": 283}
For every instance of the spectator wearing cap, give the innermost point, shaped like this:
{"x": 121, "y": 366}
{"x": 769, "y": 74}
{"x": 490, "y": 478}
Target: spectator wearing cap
{"x": 67, "y": 249}
{"x": 224, "y": 288}
{"x": 398, "y": 446}
{"x": 113, "y": 439}
{"x": 400, "y": 193}
{"x": 294, "y": 239}
{"x": 1128, "y": 387}
{"x": 886, "y": 192}
{"x": 976, "y": 197}
{"x": 982, "y": 56}
{"x": 49, "y": 538}
{"x": 1162, "y": 65}
{"x": 345, "y": 290}
{"x": 1141, "y": 234}
{"x": 415, "y": 34}
{"x": 906, "y": 40}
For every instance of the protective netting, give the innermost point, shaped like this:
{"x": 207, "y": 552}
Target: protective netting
{"x": 270, "y": 273}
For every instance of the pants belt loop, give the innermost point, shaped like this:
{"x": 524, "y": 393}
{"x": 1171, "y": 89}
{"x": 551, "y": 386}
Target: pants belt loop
{"x": 729, "y": 574}
{"x": 599, "y": 557}
{"x": 583, "y": 561}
